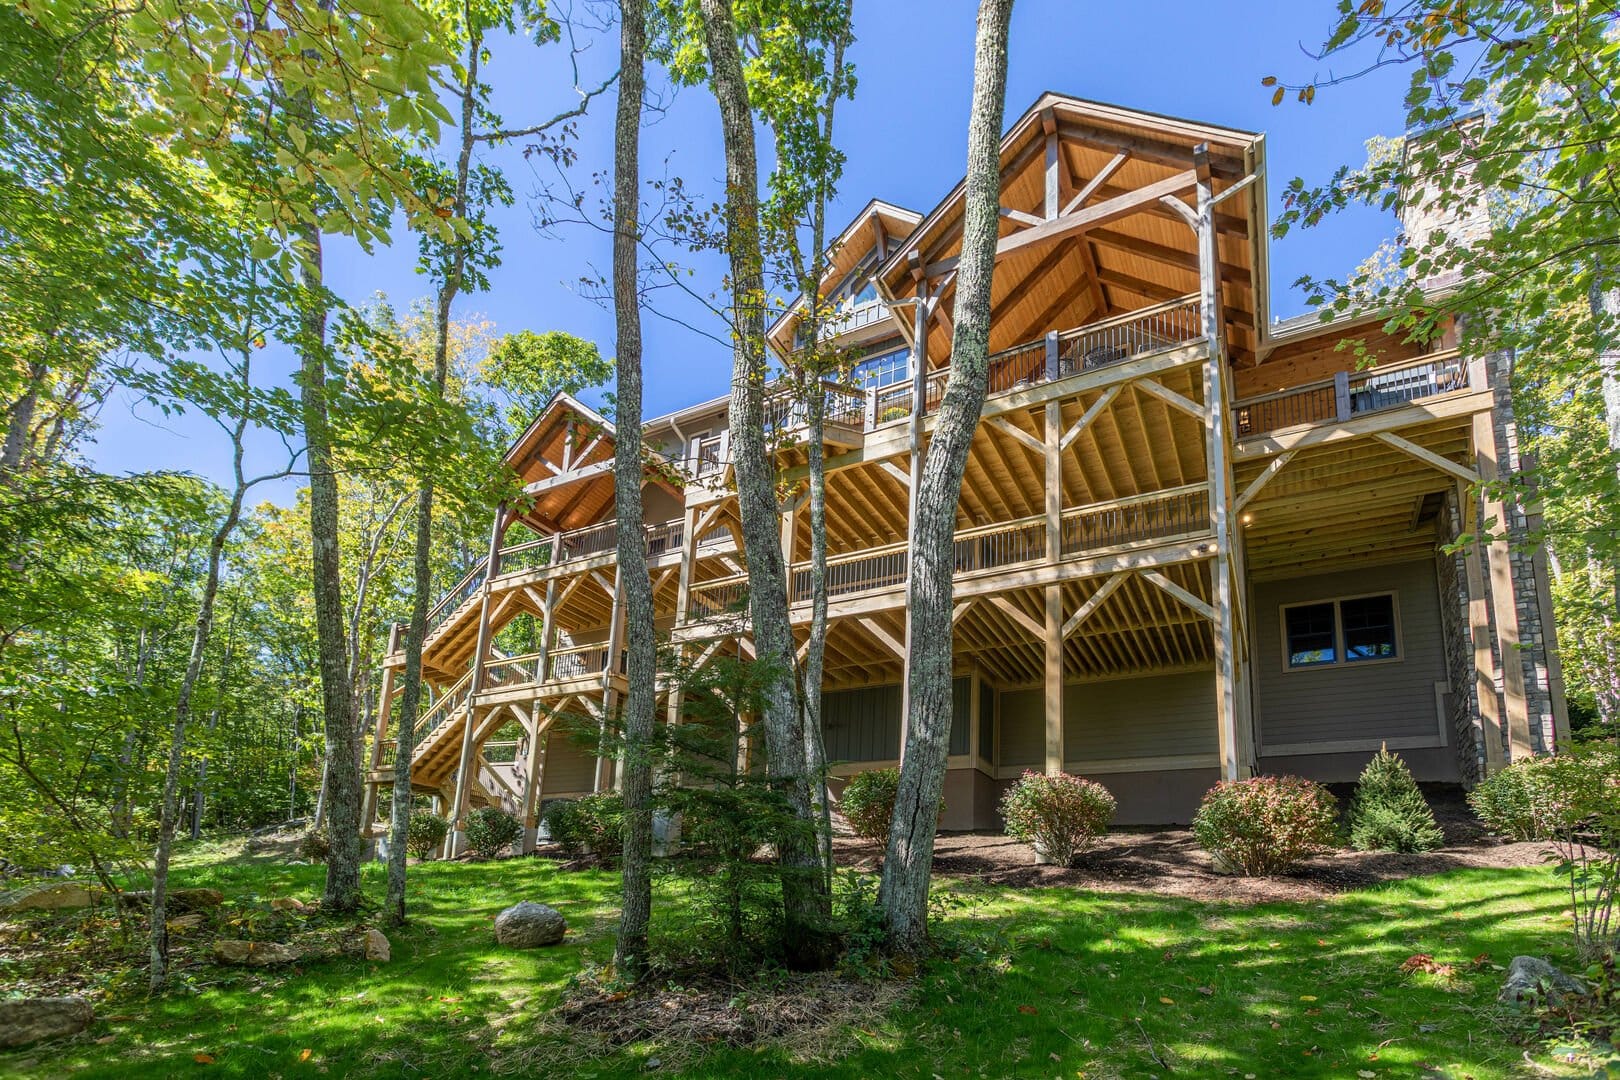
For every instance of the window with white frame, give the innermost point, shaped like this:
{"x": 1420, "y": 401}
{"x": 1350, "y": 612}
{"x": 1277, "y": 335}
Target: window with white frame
{"x": 883, "y": 368}
{"x": 1349, "y": 630}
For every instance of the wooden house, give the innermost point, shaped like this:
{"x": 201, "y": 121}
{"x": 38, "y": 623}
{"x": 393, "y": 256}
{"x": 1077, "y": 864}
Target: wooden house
{"x": 1194, "y": 542}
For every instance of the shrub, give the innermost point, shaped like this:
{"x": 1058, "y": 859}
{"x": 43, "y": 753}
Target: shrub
{"x": 1388, "y": 812}
{"x": 1060, "y": 815}
{"x": 868, "y": 803}
{"x": 591, "y": 823}
{"x": 490, "y": 830}
{"x": 315, "y": 846}
{"x": 1266, "y": 824}
{"x": 1518, "y": 803}
{"x": 424, "y": 833}
{"x": 1583, "y": 817}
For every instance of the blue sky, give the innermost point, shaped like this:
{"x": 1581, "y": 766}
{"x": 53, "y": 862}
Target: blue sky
{"x": 905, "y": 137}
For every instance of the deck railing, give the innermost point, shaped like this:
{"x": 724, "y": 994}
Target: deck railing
{"x": 443, "y": 708}
{"x": 1160, "y": 515}
{"x": 458, "y": 594}
{"x": 1352, "y": 393}
{"x": 1115, "y": 340}
{"x": 787, "y": 411}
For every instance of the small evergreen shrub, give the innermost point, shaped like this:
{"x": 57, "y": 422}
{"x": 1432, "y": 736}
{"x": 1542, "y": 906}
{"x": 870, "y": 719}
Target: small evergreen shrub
{"x": 1060, "y": 815}
{"x": 315, "y": 846}
{"x": 593, "y": 823}
{"x": 424, "y": 833}
{"x": 1266, "y": 824}
{"x": 1519, "y": 802}
{"x": 490, "y": 830}
{"x": 868, "y": 803}
{"x": 1388, "y": 812}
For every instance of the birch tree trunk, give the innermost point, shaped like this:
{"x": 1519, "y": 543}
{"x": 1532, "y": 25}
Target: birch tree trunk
{"x": 908, "y": 862}
{"x": 636, "y": 906}
{"x": 341, "y": 784}
{"x": 804, "y": 899}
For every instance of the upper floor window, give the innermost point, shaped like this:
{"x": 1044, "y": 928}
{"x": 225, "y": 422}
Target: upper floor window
{"x": 882, "y": 369}
{"x": 1344, "y": 631}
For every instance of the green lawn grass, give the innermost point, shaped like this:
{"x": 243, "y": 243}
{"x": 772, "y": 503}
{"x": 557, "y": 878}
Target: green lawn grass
{"x": 1052, "y": 982}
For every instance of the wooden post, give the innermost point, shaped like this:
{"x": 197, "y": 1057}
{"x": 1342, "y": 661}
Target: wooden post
{"x": 464, "y": 767}
{"x": 1218, "y": 460}
{"x": 1479, "y": 631}
{"x": 1053, "y": 637}
{"x": 1504, "y": 598}
{"x": 605, "y": 772}
{"x": 385, "y": 703}
{"x": 1341, "y": 395}
{"x": 534, "y": 775}
{"x": 548, "y": 632}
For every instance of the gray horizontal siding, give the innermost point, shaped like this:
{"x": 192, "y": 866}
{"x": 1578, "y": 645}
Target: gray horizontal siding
{"x": 568, "y": 767}
{"x": 1168, "y": 715}
{"x": 1157, "y": 716}
{"x": 1351, "y": 702}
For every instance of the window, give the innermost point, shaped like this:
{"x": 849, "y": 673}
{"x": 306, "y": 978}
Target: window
{"x": 1311, "y": 639}
{"x": 1346, "y": 631}
{"x": 884, "y": 369}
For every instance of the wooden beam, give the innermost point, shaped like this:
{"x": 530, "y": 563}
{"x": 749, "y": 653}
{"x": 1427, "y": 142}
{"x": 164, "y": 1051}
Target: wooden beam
{"x": 873, "y": 627}
{"x": 1150, "y": 290}
{"x": 1018, "y": 615}
{"x": 897, "y": 472}
{"x": 1019, "y": 217}
{"x": 1093, "y": 602}
{"x": 1227, "y": 164}
{"x": 1094, "y": 411}
{"x": 1271, "y": 470}
{"x": 1171, "y": 398}
{"x": 1080, "y": 220}
{"x": 1103, "y": 176}
{"x": 551, "y": 483}
{"x": 962, "y": 609}
{"x": 1428, "y": 457}
{"x": 1179, "y": 593}
{"x": 1002, "y": 424}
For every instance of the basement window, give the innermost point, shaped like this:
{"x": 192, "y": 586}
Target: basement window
{"x": 1348, "y": 630}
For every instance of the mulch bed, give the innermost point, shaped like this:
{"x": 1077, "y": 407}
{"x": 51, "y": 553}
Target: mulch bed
{"x": 1168, "y": 861}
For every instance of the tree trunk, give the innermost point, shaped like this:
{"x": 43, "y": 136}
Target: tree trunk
{"x": 399, "y": 819}
{"x": 341, "y": 785}
{"x": 804, "y": 900}
{"x": 908, "y": 861}
{"x": 636, "y": 907}
{"x": 158, "y": 975}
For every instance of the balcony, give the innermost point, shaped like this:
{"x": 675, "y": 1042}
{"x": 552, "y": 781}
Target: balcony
{"x": 851, "y": 412}
{"x": 1350, "y": 394}
{"x": 1086, "y": 531}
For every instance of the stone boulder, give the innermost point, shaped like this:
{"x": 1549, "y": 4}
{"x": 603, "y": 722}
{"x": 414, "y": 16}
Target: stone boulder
{"x": 55, "y": 896}
{"x": 28, "y": 1020}
{"x": 253, "y": 953}
{"x": 175, "y": 900}
{"x": 1531, "y": 978}
{"x": 187, "y": 923}
{"x": 528, "y": 925}
{"x": 377, "y": 948}
{"x": 288, "y": 903}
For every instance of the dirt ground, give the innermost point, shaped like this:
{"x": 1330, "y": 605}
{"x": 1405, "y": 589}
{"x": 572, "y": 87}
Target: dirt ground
{"x": 1169, "y": 861}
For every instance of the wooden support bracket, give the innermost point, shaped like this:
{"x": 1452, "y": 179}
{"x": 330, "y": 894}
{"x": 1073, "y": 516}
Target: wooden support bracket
{"x": 1428, "y": 457}
{"x": 1179, "y": 593}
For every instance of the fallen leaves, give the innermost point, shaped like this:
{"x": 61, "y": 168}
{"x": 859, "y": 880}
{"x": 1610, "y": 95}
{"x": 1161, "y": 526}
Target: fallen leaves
{"x": 203, "y": 1059}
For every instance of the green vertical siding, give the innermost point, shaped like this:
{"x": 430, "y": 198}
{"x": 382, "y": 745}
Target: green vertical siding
{"x": 864, "y": 724}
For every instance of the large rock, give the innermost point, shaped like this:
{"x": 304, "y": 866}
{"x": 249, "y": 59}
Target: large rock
{"x": 174, "y": 899}
{"x": 377, "y": 947}
{"x": 1531, "y": 978}
{"x": 253, "y": 953}
{"x": 55, "y": 896}
{"x": 528, "y": 925}
{"x": 29, "y": 1020}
